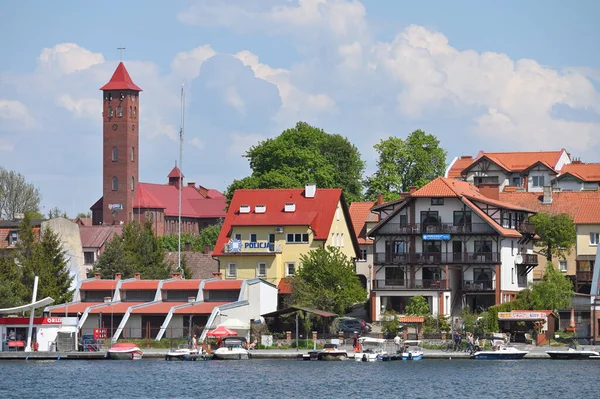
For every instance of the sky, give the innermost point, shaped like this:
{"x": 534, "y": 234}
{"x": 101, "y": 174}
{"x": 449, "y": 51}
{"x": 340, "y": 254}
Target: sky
{"x": 507, "y": 76}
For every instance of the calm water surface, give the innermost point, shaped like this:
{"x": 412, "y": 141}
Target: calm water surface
{"x": 291, "y": 379}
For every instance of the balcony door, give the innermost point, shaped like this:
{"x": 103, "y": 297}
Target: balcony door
{"x": 430, "y": 221}
{"x": 483, "y": 248}
{"x": 394, "y": 276}
{"x": 462, "y": 221}
{"x": 483, "y": 277}
{"x": 432, "y": 250}
{"x": 457, "y": 248}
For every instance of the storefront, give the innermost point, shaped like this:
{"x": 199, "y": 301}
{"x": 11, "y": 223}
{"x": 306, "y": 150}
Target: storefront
{"x": 528, "y": 325}
{"x": 14, "y": 330}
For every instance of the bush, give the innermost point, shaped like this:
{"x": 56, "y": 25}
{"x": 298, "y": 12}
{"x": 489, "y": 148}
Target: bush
{"x": 390, "y": 324}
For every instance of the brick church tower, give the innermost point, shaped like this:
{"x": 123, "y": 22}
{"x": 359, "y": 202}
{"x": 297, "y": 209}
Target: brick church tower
{"x": 120, "y": 149}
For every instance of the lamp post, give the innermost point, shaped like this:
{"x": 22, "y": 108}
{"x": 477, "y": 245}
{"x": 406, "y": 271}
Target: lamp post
{"x": 369, "y": 280}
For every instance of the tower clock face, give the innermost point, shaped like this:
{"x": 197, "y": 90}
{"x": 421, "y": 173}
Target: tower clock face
{"x": 115, "y": 126}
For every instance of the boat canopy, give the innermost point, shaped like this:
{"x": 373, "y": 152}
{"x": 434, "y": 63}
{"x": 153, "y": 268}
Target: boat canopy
{"x": 369, "y": 340}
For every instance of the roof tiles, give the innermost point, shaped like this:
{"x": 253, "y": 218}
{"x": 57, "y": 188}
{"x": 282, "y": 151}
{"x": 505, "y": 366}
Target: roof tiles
{"x": 587, "y": 172}
{"x": 360, "y": 213}
{"x": 222, "y": 285}
{"x": 193, "y": 204}
{"x": 200, "y": 308}
{"x": 120, "y": 80}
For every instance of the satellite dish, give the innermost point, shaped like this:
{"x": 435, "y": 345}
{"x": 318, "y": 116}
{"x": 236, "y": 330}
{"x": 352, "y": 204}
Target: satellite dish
{"x": 518, "y": 259}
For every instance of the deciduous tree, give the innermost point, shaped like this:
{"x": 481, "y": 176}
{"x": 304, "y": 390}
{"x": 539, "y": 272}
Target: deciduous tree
{"x": 557, "y": 234}
{"x": 16, "y": 195}
{"x": 553, "y": 292}
{"x": 56, "y": 212}
{"x": 327, "y": 281}
{"x": 418, "y": 306}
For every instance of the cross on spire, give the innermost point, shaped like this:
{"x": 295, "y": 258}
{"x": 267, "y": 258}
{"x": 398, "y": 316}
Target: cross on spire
{"x": 120, "y": 53}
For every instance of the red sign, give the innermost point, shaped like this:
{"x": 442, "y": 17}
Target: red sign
{"x": 25, "y": 320}
{"x": 100, "y": 333}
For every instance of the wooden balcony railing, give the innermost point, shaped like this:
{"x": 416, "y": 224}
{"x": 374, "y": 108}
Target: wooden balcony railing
{"x": 529, "y": 259}
{"x": 399, "y": 285}
{"x": 526, "y": 228}
{"x": 476, "y": 285}
{"x": 438, "y": 228}
{"x": 584, "y": 276}
{"x": 437, "y": 258}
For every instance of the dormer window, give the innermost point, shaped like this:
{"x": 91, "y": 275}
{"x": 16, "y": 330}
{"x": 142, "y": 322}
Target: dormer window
{"x": 260, "y": 209}
{"x": 244, "y": 208}
{"x": 290, "y": 207}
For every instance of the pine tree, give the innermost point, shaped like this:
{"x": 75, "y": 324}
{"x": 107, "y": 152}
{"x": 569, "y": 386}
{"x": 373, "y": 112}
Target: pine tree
{"x": 12, "y": 290}
{"x": 52, "y": 267}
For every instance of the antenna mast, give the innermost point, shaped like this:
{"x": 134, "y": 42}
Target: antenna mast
{"x": 180, "y": 180}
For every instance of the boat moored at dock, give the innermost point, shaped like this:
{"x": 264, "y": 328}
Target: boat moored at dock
{"x": 124, "y": 351}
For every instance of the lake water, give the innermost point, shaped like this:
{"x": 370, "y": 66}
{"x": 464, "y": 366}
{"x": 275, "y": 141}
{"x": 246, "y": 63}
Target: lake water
{"x": 291, "y": 379}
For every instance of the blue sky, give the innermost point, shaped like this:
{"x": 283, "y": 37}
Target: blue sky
{"x": 511, "y": 76}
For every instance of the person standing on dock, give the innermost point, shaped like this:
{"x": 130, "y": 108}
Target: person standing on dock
{"x": 194, "y": 343}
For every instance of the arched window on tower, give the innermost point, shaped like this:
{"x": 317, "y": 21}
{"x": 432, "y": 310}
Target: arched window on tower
{"x": 115, "y": 154}
{"x": 132, "y": 154}
{"x": 130, "y": 109}
{"x": 110, "y": 111}
{"x": 134, "y": 112}
{"x": 120, "y": 111}
{"x": 115, "y": 183}
{"x": 132, "y": 186}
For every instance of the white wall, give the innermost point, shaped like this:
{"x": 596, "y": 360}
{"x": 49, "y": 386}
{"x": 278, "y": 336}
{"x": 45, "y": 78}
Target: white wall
{"x": 71, "y": 241}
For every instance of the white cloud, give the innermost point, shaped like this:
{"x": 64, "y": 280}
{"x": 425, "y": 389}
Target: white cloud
{"x": 15, "y": 115}
{"x": 187, "y": 63}
{"x": 85, "y": 107}
{"x": 6, "y": 146}
{"x": 66, "y": 58}
{"x": 233, "y": 98}
{"x": 196, "y": 142}
{"x": 241, "y": 142}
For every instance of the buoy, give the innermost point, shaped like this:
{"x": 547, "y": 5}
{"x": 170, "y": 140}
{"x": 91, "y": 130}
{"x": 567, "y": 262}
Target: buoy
{"x": 26, "y": 357}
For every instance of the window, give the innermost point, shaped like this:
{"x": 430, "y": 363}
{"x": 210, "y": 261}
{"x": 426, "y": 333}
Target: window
{"x": 562, "y": 265}
{"x": 537, "y": 181}
{"x": 342, "y": 243}
{"x": 130, "y": 109}
{"x": 110, "y": 111}
{"x": 437, "y": 201}
{"x": 594, "y": 238}
{"x": 295, "y": 238}
{"x": 485, "y": 179}
{"x": 337, "y": 213}
{"x": 13, "y": 238}
{"x": 132, "y": 154}
{"x": 120, "y": 111}
{"x": 261, "y": 270}
{"x": 134, "y": 111}
{"x": 516, "y": 181}
{"x": 132, "y": 185}
{"x": 403, "y": 220}
{"x": 252, "y": 237}
{"x": 115, "y": 154}
{"x": 394, "y": 276}
{"x": 237, "y": 236}
{"x": 115, "y": 183}
{"x": 462, "y": 218}
{"x": 290, "y": 268}
{"x": 88, "y": 258}
{"x": 362, "y": 255}
{"x": 512, "y": 275}
{"x": 484, "y": 248}
{"x": 231, "y": 270}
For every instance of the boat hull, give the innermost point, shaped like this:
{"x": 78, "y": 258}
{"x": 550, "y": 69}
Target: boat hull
{"x": 368, "y": 357}
{"x": 572, "y": 355}
{"x": 231, "y": 355}
{"x": 498, "y": 356}
{"x": 133, "y": 355}
{"x": 412, "y": 356}
{"x": 338, "y": 356}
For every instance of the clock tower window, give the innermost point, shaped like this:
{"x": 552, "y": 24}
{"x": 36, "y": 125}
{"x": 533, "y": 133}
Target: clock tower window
{"x": 115, "y": 183}
{"x": 132, "y": 183}
{"x": 134, "y": 111}
{"x": 120, "y": 111}
{"x": 115, "y": 154}
{"x": 132, "y": 154}
{"x": 110, "y": 111}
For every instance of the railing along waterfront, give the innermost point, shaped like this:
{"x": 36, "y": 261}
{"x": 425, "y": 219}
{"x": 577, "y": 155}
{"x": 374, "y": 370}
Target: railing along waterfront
{"x": 437, "y": 228}
{"x": 407, "y": 284}
{"x": 478, "y": 285}
{"x": 438, "y": 257}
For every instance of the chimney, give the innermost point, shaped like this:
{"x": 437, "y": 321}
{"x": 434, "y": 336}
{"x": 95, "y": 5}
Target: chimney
{"x": 207, "y": 249}
{"x": 203, "y": 191}
{"x": 117, "y": 276}
{"x": 490, "y": 190}
{"x": 379, "y": 199}
{"x": 466, "y": 157}
{"x": 310, "y": 190}
{"x": 217, "y": 275}
{"x": 412, "y": 189}
{"x": 176, "y": 275}
{"x": 97, "y": 276}
{"x": 577, "y": 161}
{"x": 192, "y": 184}
{"x": 137, "y": 275}
{"x": 547, "y": 195}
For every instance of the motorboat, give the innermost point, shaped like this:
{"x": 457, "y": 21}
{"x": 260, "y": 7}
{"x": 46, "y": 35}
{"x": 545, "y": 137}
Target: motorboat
{"x": 182, "y": 353}
{"x": 232, "y": 348}
{"x": 124, "y": 351}
{"x": 332, "y": 352}
{"x": 370, "y": 350}
{"x": 412, "y": 350}
{"x": 573, "y": 354}
{"x": 501, "y": 352}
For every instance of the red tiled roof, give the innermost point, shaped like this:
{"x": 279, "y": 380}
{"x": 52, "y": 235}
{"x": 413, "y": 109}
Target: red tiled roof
{"x": 317, "y": 212}
{"x": 97, "y": 236}
{"x": 223, "y": 285}
{"x": 99, "y": 285}
{"x": 145, "y": 200}
{"x": 120, "y": 80}
{"x": 200, "y": 308}
{"x": 518, "y": 161}
{"x": 501, "y": 230}
{"x": 181, "y": 285}
{"x": 359, "y": 214}
{"x": 582, "y": 206}
{"x": 587, "y": 172}
{"x": 175, "y": 172}
{"x": 140, "y": 285}
{"x": 458, "y": 166}
{"x": 285, "y": 286}
{"x": 193, "y": 204}
{"x": 115, "y": 308}
{"x": 73, "y": 307}
{"x": 161, "y": 308}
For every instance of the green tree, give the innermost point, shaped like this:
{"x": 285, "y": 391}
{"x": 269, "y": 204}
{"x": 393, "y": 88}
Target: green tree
{"x": 418, "y": 306}
{"x": 553, "y": 292}
{"x": 56, "y": 212}
{"x": 12, "y": 290}
{"x": 557, "y": 234}
{"x": 404, "y": 163}
{"x": 206, "y": 238}
{"x": 327, "y": 281}
{"x": 390, "y": 324}
{"x": 16, "y": 195}
{"x": 84, "y": 215}
{"x": 304, "y": 154}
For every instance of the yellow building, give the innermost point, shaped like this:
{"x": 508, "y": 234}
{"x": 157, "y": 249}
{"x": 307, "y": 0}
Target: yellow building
{"x": 267, "y": 230}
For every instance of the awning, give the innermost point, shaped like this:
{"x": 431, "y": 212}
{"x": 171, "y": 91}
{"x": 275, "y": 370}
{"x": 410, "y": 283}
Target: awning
{"x": 293, "y": 309}
{"x": 221, "y": 332}
{"x": 586, "y": 257}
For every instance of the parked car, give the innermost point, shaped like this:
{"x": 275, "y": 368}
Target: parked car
{"x": 349, "y": 326}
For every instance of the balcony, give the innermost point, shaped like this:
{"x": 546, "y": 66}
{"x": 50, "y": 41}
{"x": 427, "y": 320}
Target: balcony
{"x": 439, "y": 228}
{"x": 584, "y": 276}
{"x": 437, "y": 258}
{"x": 478, "y": 286}
{"x": 526, "y": 228}
{"x": 401, "y": 285}
{"x": 529, "y": 259}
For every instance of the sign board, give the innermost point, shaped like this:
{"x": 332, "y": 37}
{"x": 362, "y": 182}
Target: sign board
{"x": 100, "y": 333}
{"x": 522, "y": 316}
{"x": 114, "y": 207}
{"x": 436, "y": 237}
{"x": 266, "y": 340}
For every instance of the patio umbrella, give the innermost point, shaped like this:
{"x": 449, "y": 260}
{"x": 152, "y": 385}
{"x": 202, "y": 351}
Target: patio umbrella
{"x": 572, "y": 321}
{"x": 221, "y": 331}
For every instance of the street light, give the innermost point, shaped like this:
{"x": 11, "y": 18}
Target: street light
{"x": 369, "y": 280}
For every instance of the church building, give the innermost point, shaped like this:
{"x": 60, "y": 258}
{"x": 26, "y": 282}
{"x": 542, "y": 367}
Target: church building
{"x": 124, "y": 198}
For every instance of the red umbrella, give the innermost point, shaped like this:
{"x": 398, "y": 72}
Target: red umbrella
{"x": 221, "y": 331}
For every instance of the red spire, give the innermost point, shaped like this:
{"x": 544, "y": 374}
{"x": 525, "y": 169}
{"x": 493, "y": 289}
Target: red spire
{"x": 175, "y": 173}
{"x": 120, "y": 80}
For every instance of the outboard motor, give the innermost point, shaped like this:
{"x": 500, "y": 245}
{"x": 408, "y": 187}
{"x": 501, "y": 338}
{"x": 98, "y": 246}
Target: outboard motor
{"x": 364, "y": 358}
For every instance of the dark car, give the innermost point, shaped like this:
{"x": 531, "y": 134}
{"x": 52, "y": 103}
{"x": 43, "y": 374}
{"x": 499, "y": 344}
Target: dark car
{"x": 349, "y": 326}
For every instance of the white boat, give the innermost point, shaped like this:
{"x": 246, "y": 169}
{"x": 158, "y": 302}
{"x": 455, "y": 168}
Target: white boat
{"x": 232, "y": 348}
{"x": 412, "y": 350}
{"x": 370, "y": 350}
{"x": 182, "y": 353}
{"x": 503, "y": 352}
{"x": 332, "y": 352}
{"x": 124, "y": 351}
{"x": 573, "y": 354}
